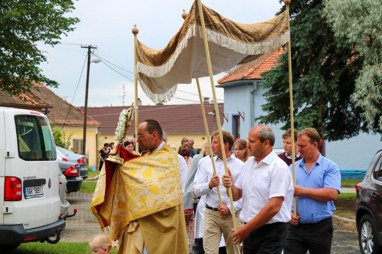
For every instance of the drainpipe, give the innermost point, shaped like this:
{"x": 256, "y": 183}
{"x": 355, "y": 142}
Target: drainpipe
{"x": 252, "y": 104}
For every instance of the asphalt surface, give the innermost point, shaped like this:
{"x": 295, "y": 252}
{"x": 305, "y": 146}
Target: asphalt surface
{"x": 84, "y": 226}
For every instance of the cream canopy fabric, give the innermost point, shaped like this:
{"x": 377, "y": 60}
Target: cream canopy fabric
{"x": 231, "y": 45}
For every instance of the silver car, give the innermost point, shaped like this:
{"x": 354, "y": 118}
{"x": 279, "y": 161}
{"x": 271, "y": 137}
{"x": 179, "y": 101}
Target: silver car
{"x": 77, "y": 158}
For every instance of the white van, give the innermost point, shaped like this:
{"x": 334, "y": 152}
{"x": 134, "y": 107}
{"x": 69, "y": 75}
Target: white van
{"x": 29, "y": 179}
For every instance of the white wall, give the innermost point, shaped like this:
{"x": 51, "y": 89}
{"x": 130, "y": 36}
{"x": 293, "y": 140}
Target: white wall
{"x": 355, "y": 153}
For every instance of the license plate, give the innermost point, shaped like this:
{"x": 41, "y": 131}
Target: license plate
{"x": 33, "y": 192}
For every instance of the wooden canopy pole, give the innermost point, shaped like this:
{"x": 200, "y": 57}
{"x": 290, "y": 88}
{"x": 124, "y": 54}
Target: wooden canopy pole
{"x": 135, "y": 31}
{"x": 208, "y": 135}
{"x": 184, "y": 15}
{"x": 217, "y": 116}
{"x": 291, "y": 107}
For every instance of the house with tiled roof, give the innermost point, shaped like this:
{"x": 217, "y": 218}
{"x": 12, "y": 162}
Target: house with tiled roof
{"x": 61, "y": 114}
{"x": 178, "y": 121}
{"x": 243, "y": 98}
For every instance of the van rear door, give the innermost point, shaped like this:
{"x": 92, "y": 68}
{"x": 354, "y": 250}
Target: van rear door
{"x": 31, "y": 171}
{"x": 2, "y": 163}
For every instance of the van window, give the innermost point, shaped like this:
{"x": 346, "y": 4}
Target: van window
{"x": 35, "y": 141}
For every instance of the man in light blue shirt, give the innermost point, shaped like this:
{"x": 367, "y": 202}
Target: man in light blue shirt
{"x": 318, "y": 183}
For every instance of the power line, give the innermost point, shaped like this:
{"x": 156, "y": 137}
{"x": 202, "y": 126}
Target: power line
{"x": 75, "y": 92}
{"x": 110, "y": 64}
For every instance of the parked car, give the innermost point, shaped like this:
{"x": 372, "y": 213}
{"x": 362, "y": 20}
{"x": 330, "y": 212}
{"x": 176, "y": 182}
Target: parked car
{"x": 65, "y": 205}
{"x": 71, "y": 172}
{"x": 369, "y": 208}
{"x": 29, "y": 180}
{"x": 77, "y": 158}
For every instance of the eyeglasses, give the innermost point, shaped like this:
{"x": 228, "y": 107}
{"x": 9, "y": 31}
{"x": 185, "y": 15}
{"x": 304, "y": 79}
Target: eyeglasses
{"x": 139, "y": 136}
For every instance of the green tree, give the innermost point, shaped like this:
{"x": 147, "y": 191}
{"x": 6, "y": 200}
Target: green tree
{"x": 60, "y": 138}
{"x": 323, "y": 78}
{"x": 22, "y": 24}
{"x": 359, "y": 23}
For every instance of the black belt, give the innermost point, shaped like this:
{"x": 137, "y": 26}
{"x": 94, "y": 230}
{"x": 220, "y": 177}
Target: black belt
{"x": 211, "y": 208}
{"x": 318, "y": 222}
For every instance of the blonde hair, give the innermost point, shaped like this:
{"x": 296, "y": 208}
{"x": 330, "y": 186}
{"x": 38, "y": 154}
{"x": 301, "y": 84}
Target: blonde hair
{"x": 242, "y": 144}
{"x": 101, "y": 241}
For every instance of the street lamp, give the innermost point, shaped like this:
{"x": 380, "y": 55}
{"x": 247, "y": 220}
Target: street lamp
{"x": 89, "y": 47}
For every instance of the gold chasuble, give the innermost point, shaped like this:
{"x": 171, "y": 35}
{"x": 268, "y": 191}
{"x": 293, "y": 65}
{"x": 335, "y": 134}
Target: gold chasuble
{"x": 141, "y": 202}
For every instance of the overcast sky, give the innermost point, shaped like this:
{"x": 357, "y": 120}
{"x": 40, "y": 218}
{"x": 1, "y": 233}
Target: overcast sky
{"x": 108, "y": 24}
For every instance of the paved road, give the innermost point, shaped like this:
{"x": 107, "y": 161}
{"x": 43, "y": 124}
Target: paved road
{"x": 345, "y": 239}
{"x": 83, "y": 226}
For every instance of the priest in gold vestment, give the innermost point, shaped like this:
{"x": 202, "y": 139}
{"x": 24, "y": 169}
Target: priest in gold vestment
{"x": 140, "y": 198}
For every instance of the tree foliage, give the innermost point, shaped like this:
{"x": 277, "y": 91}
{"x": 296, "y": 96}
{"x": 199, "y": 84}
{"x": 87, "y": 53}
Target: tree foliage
{"x": 323, "y": 78}
{"x": 60, "y": 138}
{"x": 23, "y": 23}
{"x": 359, "y": 23}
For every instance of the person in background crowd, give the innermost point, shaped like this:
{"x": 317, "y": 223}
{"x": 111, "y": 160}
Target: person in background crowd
{"x": 190, "y": 202}
{"x": 217, "y": 215}
{"x": 111, "y": 145}
{"x": 128, "y": 144}
{"x": 191, "y": 147}
{"x": 103, "y": 153}
{"x": 287, "y": 145}
{"x": 266, "y": 188}
{"x": 184, "y": 142}
{"x": 185, "y": 153}
{"x": 318, "y": 183}
{"x": 241, "y": 150}
{"x": 100, "y": 244}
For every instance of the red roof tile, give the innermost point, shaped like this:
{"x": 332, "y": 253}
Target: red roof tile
{"x": 41, "y": 98}
{"x": 174, "y": 119}
{"x": 264, "y": 64}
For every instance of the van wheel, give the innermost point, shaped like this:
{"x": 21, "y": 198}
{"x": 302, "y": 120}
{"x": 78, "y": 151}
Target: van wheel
{"x": 9, "y": 247}
{"x": 367, "y": 236}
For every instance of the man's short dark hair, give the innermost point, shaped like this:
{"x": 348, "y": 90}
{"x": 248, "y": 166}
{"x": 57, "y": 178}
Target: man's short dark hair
{"x": 288, "y": 133}
{"x": 227, "y": 137}
{"x": 153, "y": 125}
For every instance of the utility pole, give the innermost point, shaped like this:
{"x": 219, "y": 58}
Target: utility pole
{"x": 89, "y": 47}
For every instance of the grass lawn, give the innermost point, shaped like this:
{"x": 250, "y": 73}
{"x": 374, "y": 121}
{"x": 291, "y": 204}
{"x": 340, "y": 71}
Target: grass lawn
{"x": 59, "y": 248}
{"x": 89, "y": 185}
{"x": 345, "y": 205}
{"x": 349, "y": 182}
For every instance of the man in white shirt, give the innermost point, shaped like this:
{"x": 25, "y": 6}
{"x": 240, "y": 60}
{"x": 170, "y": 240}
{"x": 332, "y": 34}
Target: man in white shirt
{"x": 217, "y": 216}
{"x": 266, "y": 188}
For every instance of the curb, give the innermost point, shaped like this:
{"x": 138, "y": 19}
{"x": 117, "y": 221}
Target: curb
{"x": 344, "y": 219}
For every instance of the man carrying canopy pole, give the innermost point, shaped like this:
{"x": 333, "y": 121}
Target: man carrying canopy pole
{"x": 266, "y": 188}
{"x": 216, "y": 108}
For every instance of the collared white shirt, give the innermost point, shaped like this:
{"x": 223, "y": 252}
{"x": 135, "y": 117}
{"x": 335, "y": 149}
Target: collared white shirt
{"x": 183, "y": 171}
{"x": 261, "y": 181}
{"x": 204, "y": 175}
